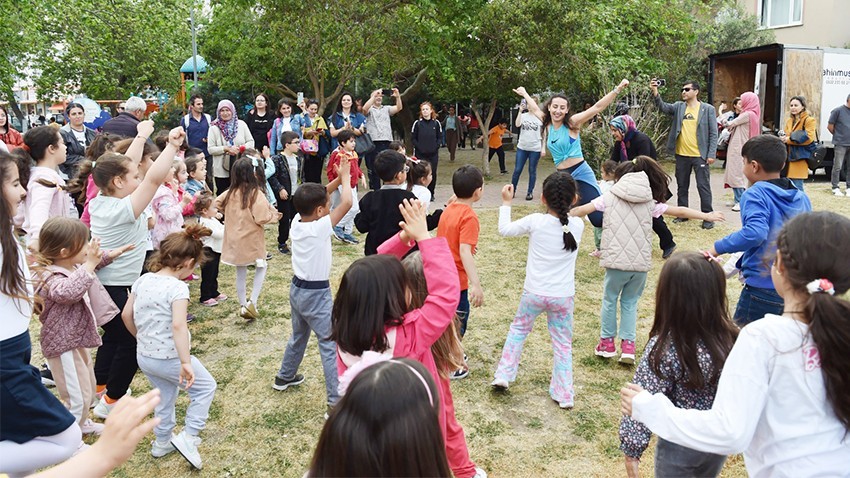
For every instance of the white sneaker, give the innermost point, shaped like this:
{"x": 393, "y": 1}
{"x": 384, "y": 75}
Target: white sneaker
{"x": 102, "y": 409}
{"x": 159, "y": 450}
{"x": 736, "y": 207}
{"x": 480, "y": 473}
{"x": 91, "y": 428}
{"x": 837, "y": 192}
{"x": 187, "y": 445}
{"x": 499, "y": 384}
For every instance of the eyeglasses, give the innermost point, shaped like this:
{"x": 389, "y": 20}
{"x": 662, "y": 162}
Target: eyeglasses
{"x": 686, "y": 89}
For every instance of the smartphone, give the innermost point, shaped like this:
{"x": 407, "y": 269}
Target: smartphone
{"x": 387, "y": 92}
{"x": 300, "y": 97}
{"x": 660, "y": 82}
{"x": 523, "y": 105}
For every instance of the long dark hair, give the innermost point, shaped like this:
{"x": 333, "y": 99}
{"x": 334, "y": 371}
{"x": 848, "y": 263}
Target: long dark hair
{"x": 659, "y": 181}
{"x": 559, "y": 191}
{"x": 691, "y": 311}
{"x": 37, "y": 139}
{"x": 371, "y": 296}
{"x": 339, "y": 103}
{"x": 385, "y": 425}
{"x": 102, "y": 143}
{"x": 547, "y": 117}
{"x": 12, "y": 281}
{"x": 244, "y": 179}
{"x": 811, "y": 247}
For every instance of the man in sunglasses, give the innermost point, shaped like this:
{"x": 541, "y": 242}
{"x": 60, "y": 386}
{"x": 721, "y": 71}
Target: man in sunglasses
{"x": 693, "y": 140}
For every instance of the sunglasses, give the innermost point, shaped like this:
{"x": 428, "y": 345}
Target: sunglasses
{"x": 686, "y": 89}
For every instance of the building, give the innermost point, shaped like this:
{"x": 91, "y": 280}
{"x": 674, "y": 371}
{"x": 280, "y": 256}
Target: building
{"x": 824, "y": 23}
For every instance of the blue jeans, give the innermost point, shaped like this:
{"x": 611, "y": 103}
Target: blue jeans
{"x": 738, "y": 192}
{"x": 672, "y": 460}
{"x": 521, "y": 157}
{"x": 754, "y": 303}
{"x": 463, "y": 310}
{"x": 798, "y": 183}
{"x": 627, "y": 286}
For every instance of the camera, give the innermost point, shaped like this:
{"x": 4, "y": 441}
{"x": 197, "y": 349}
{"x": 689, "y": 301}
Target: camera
{"x": 387, "y": 92}
{"x": 660, "y": 82}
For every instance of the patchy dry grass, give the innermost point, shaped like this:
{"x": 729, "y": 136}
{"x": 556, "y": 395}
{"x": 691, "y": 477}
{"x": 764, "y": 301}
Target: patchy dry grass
{"x": 256, "y": 431}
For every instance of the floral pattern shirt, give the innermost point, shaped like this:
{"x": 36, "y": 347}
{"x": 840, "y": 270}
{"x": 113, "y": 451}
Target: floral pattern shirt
{"x": 634, "y": 436}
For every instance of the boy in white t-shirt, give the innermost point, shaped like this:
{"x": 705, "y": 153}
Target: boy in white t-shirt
{"x": 310, "y": 292}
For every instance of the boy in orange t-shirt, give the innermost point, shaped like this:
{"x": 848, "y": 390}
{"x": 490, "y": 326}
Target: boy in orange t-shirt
{"x": 494, "y": 142}
{"x": 459, "y": 225}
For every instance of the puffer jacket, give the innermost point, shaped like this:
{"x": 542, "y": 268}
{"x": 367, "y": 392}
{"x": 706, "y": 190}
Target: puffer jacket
{"x": 627, "y": 224}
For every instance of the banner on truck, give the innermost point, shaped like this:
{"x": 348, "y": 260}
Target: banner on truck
{"x": 836, "y": 87}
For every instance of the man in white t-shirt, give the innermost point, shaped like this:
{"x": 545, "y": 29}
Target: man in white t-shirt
{"x": 379, "y": 128}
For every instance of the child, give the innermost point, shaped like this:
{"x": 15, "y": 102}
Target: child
{"x": 605, "y": 185}
{"x": 118, "y": 218}
{"x": 637, "y": 196}
{"x": 371, "y": 311}
{"x": 782, "y": 395}
{"x": 310, "y": 292}
{"x": 419, "y": 176}
{"x": 765, "y": 207}
{"x": 196, "y": 168}
{"x": 427, "y": 134}
{"x": 284, "y": 183}
{"x": 37, "y": 431}
{"x": 74, "y": 304}
{"x": 156, "y": 315}
{"x": 46, "y": 196}
{"x": 494, "y": 143}
{"x": 689, "y": 342}
{"x": 459, "y": 225}
{"x": 549, "y": 282}
{"x": 379, "y": 215}
{"x": 209, "y": 218}
{"x": 167, "y": 208}
{"x": 346, "y": 139}
{"x": 448, "y": 357}
{"x": 246, "y": 211}
{"x": 386, "y": 422}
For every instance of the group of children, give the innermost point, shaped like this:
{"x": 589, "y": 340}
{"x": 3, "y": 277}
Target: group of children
{"x": 398, "y": 310}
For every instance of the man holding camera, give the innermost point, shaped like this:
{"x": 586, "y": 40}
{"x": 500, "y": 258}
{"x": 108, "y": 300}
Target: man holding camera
{"x": 693, "y": 140}
{"x": 379, "y": 128}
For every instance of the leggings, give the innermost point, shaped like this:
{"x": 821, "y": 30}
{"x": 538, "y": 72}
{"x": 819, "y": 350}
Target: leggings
{"x": 115, "y": 363}
{"x": 241, "y": 286}
{"x": 586, "y": 193}
{"x": 22, "y": 459}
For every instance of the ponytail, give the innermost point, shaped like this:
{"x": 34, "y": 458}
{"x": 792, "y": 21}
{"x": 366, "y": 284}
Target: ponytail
{"x": 659, "y": 181}
{"x": 559, "y": 191}
{"x": 178, "y": 247}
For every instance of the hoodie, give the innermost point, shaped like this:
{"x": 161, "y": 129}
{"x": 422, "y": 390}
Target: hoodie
{"x": 765, "y": 207}
{"x": 627, "y": 224}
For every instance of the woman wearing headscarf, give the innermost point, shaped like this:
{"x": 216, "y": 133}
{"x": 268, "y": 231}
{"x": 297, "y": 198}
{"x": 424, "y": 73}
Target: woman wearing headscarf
{"x": 228, "y": 136}
{"x": 745, "y": 126}
{"x": 629, "y": 143}
{"x": 77, "y": 136}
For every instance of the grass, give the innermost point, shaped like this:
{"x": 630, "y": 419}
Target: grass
{"x": 256, "y": 431}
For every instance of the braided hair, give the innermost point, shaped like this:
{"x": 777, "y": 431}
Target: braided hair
{"x": 560, "y": 192}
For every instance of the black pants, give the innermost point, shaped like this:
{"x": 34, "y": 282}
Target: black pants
{"x": 663, "y": 232}
{"x": 288, "y": 210}
{"x": 312, "y": 167}
{"x": 432, "y": 158}
{"x": 115, "y": 364}
{"x": 221, "y": 185}
{"x": 501, "y": 153}
{"x": 374, "y": 179}
{"x": 209, "y": 275}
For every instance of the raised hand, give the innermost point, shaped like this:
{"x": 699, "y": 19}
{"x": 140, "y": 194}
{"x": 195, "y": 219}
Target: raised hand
{"x": 145, "y": 128}
{"x": 415, "y": 225}
{"x": 176, "y": 136}
{"x": 507, "y": 193}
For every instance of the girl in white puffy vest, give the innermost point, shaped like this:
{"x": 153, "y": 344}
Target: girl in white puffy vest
{"x": 637, "y": 196}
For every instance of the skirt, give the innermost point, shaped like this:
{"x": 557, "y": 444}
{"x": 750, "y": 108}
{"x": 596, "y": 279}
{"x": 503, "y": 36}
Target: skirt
{"x": 29, "y": 410}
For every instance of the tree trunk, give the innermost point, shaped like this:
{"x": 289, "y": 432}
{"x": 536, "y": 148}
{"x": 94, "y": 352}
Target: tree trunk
{"x": 16, "y": 108}
{"x": 485, "y": 129}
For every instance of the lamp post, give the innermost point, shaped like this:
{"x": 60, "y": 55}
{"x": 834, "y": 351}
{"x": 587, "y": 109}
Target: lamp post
{"x": 194, "y": 49}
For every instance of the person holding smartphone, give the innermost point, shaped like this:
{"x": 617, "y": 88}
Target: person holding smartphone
{"x": 380, "y": 128}
{"x": 316, "y": 130}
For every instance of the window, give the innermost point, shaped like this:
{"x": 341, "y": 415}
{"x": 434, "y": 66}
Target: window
{"x": 779, "y": 13}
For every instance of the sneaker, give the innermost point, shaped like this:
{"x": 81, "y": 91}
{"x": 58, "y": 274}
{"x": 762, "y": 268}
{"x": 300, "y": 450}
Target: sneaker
{"x": 736, "y": 207}
{"x": 627, "y": 352}
{"x": 606, "y": 348}
{"x": 283, "y": 249}
{"x": 269, "y": 256}
{"x": 680, "y": 219}
{"x": 460, "y": 373}
{"x": 707, "y": 225}
{"x": 596, "y": 253}
{"x": 836, "y": 192}
{"x": 47, "y": 376}
{"x": 249, "y": 312}
{"x": 339, "y": 234}
{"x": 221, "y": 298}
{"x": 328, "y": 411}
{"x": 349, "y": 238}
{"x": 479, "y": 473}
{"x": 159, "y": 450}
{"x": 281, "y": 384}
{"x": 665, "y": 253}
{"x": 91, "y": 428}
{"x": 503, "y": 172}
{"x": 102, "y": 409}
{"x": 529, "y": 197}
{"x": 565, "y": 405}
{"x": 499, "y": 384}
{"x": 209, "y": 303}
{"x": 190, "y": 318}
{"x": 187, "y": 445}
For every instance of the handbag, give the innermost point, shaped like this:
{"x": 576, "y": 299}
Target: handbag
{"x": 800, "y": 152}
{"x": 310, "y": 146}
{"x": 363, "y": 144}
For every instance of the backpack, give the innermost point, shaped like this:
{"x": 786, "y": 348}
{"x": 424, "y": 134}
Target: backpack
{"x": 185, "y": 121}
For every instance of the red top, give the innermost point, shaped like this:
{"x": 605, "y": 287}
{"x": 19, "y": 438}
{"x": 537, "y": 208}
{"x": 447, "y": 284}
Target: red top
{"x": 12, "y": 138}
{"x": 356, "y": 172}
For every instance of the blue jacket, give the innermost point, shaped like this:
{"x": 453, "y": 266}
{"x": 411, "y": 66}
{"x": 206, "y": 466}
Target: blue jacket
{"x": 338, "y": 121}
{"x": 765, "y": 207}
{"x": 296, "y": 122}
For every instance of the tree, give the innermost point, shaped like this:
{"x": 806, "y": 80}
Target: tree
{"x": 17, "y": 30}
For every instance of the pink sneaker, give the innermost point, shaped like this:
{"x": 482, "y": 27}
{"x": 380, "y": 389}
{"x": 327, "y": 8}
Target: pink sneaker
{"x": 221, "y": 298}
{"x": 606, "y": 348}
{"x": 627, "y": 352}
{"x": 596, "y": 253}
{"x": 210, "y": 303}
